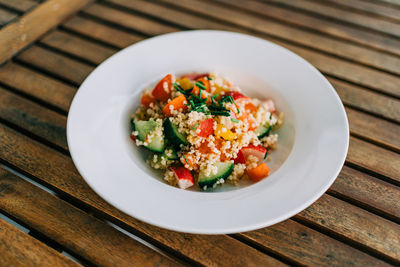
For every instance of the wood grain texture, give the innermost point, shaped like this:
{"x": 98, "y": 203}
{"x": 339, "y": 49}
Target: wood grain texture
{"x": 101, "y": 32}
{"x": 82, "y": 48}
{"x": 37, "y": 85}
{"x": 19, "y": 249}
{"x": 368, "y": 191}
{"x": 32, "y": 157}
{"x": 367, "y": 229}
{"x": 20, "y": 5}
{"x": 373, "y": 129}
{"x": 369, "y": 8}
{"x": 354, "y": 18}
{"x": 321, "y": 25}
{"x": 6, "y": 17}
{"x": 141, "y": 24}
{"x": 307, "y": 246}
{"x": 59, "y": 65}
{"x": 37, "y": 119}
{"x": 346, "y": 70}
{"x": 34, "y": 24}
{"x": 374, "y": 158}
{"x": 334, "y": 46}
{"x": 81, "y": 233}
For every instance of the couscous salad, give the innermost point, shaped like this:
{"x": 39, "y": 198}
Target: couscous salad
{"x": 203, "y": 130}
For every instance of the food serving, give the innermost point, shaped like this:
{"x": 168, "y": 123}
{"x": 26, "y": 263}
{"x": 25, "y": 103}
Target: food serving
{"x": 203, "y": 130}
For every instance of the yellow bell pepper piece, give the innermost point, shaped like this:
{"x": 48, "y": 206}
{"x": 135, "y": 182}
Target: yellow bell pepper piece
{"x": 185, "y": 83}
{"x": 225, "y": 133}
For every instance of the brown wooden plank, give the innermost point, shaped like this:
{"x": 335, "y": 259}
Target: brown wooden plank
{"x": 374, "y": 158}
{"x": 139, "y": 23}
{"x": 329, "y": 27}
{"x": 367, "y": 100}
{"x": 330, "y": 65}
{"x": 324, "y": 43}
{"x": 19, "y": 249}
{"x": 59, "y": 172}
{"x": 367, "y": 229}
{"x": 75, "y": 230}
{"x": 347, "y": 16}
{"x": 89, "y": 50}
{"x": 32, "y": 157}
{"x": 368, "y": 191}
{"x": 37, "y": 85}
{"x": 369, "y": 7}
{"x": 40, "y": 121}
{"x": 376, "y": 130}
{"x": 6, "y": 16}
{"x": 32, "y": 25}
{"x": 392, "y": 3}
{"x": 20, "y": 5}
{"x": 307, "y": 246}
{"x": 56, "y": 64}
{"x": 101, "y": 32}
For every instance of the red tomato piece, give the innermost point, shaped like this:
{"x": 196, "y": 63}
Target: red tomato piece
{"x": 183, "y": 175}
{"x": 162, "y": 91}
{"x": 206, "y": 128}
{"x": 257, "y": 151}
{"x": 240, "y": 159}
{"x": 236, "y": 95}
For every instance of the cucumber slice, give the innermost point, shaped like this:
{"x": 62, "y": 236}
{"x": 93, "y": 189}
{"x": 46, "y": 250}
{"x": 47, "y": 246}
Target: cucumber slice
{"x": 173, "y": 135}
{"x": 144, "y": 128}
{"x": 263, "y": 131}
{"x": 224, "y": 169}
{"x": 170, "y": 153}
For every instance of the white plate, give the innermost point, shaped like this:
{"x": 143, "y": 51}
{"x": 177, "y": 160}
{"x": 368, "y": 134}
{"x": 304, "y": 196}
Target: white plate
{"x": 311, "y": 150}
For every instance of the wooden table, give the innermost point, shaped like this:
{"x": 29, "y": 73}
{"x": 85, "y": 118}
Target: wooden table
{"x": 49, "y": 215}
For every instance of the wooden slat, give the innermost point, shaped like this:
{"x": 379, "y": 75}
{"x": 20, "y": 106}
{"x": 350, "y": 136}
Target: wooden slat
{"x": 334, "y": 46}
{"x": 308, "y": 247}
{"x": 344, "y": 15}
{"x": 330, "y": 65}
{"x": 34, "y": 24}
{"x": 37, "y": 85}
{"x": 370, "y": 7}
{"x": 28, "y": 115}
{"x": 365, "y": 228}
{"x": 73, "y": 71}
{"x": 364, "y": 99}
{"x": 60, "y": 173}
{"x": 368, "y": 191}
{"x": 6, "y": 16}
{"x": 140, "y": 23}
{"x": 75, "y": 230}
{"x": 32, "y": 157}
{"x": 376, "y": 130}
{"x": 20, "y": 5}
{"x": 394, "y": 3}
{"x": 91, "y": 51}
{"x": 332, "y": 28}
{"x": 374, "y": 158}
{"x": 19, "y": 249}
{"x": 101, "y": 32}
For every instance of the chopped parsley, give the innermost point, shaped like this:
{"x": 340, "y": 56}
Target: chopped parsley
{"x": 234, "y": 120}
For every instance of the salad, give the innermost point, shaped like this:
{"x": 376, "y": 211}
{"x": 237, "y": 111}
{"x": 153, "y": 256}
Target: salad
{"x": 203, "y": 130}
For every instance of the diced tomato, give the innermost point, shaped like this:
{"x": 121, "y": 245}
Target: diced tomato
{"x": 250, "y": 107}
{"x": 257, "y": 151}
{"x": 162, "y": 91}
{"x": 176, "y": 103}
{"x": 147, "y": 99}
{"x": 184, "y": 177}
{"x": 270, "y": 105}
{"x": 195, "y": 76}
{"x": 236, "y": 95}
{"x": 240, "y": 159}
{"x": 206, "y": 128}
{"x": 133, "y": 137}
{"x": 258, "y": 173}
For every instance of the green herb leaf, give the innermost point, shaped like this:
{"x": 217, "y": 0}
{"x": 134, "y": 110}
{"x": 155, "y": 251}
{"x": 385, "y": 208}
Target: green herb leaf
{"x": 266, "y": 154}
{"x": 185, "y": 159}
{"x": 234, "y": 120}
{"x": 195, "y": 127}
{"x": 200, "y": 85}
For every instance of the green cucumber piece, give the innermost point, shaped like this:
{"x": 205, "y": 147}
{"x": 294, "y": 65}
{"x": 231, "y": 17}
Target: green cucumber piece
{"x": 263, "y": 131}
{"x": 173, "y": 135}
{"x": 170, "y": 153}
{"x": 144, "y": 128}
{"x": 224, "y": 169}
